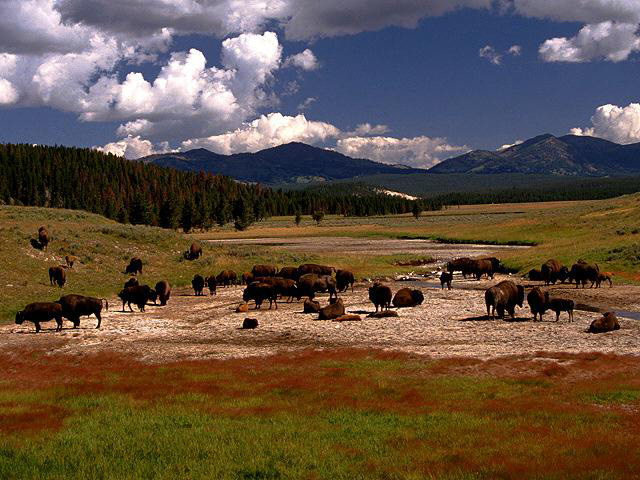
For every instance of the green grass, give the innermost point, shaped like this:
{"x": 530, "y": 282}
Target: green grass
{"x": 313, "y": 415}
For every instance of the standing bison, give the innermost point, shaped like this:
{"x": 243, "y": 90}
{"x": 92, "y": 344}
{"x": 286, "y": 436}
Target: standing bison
{"x": 264, "y": 271}
{"x": 43, "y": 237}
{"x": 315, "y": 268}
{"x": 163, "y": 291}
{"x": 57, "y": 276}
{"x": 344, "y": 279}
{"x": 41, "y": 312}
{"x": 503, "y": 296}
{"x": 309, "y": 284}
{"x": 445, "y": 279}
{"x": 550, "y": 271}
{"x": 212, "y": 284}
{"x": 70, "y": 260}
{"x": 138, "y": 295}
{"x": 76, "y": 306}
{"x": 259, "y": 292}
{"x": 582, "y": 273}
{"x": 537, "y": 301}
{"x": 226, "y": 278}
{"x": 134, "y": 267}
{"x": 289, "y": 272}
{"x": 198, "y": 284}
{"x": 460, "y": 265}
{"x": 380, "y": 295}
{"x": 194, "y": 252}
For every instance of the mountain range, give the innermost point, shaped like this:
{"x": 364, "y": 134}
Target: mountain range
{"x": 569, "y": 155}
{"x": 289, "y": 163}
{"x": 547, "y": 154}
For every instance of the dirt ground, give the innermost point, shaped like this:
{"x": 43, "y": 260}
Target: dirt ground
{"x": 447, "y": 324}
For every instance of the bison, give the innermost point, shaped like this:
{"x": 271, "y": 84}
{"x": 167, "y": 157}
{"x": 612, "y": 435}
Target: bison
{"x": 550, "y": 271}
{"x": 311, "y": 306}
{"x": 405, "y": 297}
{"x": 503, "y": 296}
{"x": 535, "y": 275}
{"x": 582, "y": 273}
{"x": 226, "y": 278}
{"x": 70, "y": 260}
{"x": 194, "y": 252}
{"x": 134, "y": 267}
{"x": 247, "y": 278}
{"x": 482, "y": 267}
{"x": 309, "y": 284}
{"x": 132, "y": 282}
{"x": 212, "y": 284}
{"x": 198, "y": 284}
{"x": 537, "y": 301}
{"x": 41, "y": 312}
{"x": 138, "y": 295}
{"x": 76, "y": 306}
{"x": 163, "y": 290}
{"x": 259, "y": 292}
{"x": 57, "y": 276}
{"x": 604, "y": 277}
{"x": 289, "y": 272}
{"x": 558, "y": 305}
{"x": 43, "y": 237}
{"x": 285, "y": 287}
{"x": 380, "y": 295}
{"x": 344, "y": 279}
{"x": 314, "y": 268}
{"x": 264, "y": 270}
{"x": 460, "y": 265}
{"x": 331, "y": 311}
{"x": 607, "y": 323}
{"x": 445, "y": 279}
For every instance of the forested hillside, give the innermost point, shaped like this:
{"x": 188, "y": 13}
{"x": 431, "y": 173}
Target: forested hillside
{"x": 133, "y": 192}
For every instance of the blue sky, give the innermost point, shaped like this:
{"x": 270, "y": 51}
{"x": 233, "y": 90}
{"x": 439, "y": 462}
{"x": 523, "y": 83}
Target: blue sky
{"x": 406, "y": 85}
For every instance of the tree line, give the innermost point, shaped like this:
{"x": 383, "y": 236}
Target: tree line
{"x": 138, "y": 193}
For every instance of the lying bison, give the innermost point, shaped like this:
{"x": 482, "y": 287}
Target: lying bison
{"x": 380, "y": 295}
{"x": 310, "y": 283}
{"x": 226, "y": 278}
{"x": 134, "y": 267}
{"x": 264, "y": 271}
{"x": 198, "y": 284}
{"x": 163, "y": 290}
{"x": 76, "y": 306}
{"x": 57, "y": 276}
{"x": 607, "y": 323}
{"x": 331, "y": 311}
{"x": 139, "y": 296}
{"x": 212, "y": 284}
{"x": 310, "y": 306}
{"x": 315, "y": 268}
{"x": 194, "y": 252}
{"x": 503, "y": 296}
{"x": 582, "y": 273}
{"x": 259, "y": 292}
{"x": 405, "y": 298}
{"x": 41, "y": 312}
{"x": 344, "y": 280}
{"x": 537, "y": 301}
{"x": 445, "y": 279}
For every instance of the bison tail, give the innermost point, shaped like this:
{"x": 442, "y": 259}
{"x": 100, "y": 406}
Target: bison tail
{"x": 106, "y": 303}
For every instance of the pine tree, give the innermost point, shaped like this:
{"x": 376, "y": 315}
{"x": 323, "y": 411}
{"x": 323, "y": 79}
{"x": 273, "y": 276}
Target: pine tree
{"x": 168, "y": 216}
{"x": 242, "y": 214}
{"x": 186, "y": 219}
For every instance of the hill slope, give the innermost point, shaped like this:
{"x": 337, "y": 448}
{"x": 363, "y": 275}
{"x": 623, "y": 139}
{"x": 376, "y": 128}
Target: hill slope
{"x": 290, "y": 163}
{"x": 546, "y": 154}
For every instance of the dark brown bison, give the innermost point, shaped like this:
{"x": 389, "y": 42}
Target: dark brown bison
{"x": 163, "y": 290}
{"x": 76, "y": 306}
{"x": 247, "y": 278}
{"x": 226, "y": 278}
{"x": 558, "y": 305}
{"x": 314, "y": 268}
{"x": 212, "y": 284}
{"x": 43, "y": 237}
{"x": 132, "y": 282}
{"x": 445, "y": 279}
{"x": 482, "y": 267}
{"x": 264, "y": 271}
{"x": 344, "y": 280}
{"x": 134, "y": 267}
{"x": 550, "y": 271}
{"x": 289, "y": 272}
{"x": 503, "y": 296}
{"x": 380, "y": 295}
{"x": 250, "y": 323}
{"x": 259, "y": 292}
{"x": 57, "y": 276}
{"x": 460, "y": 265}
{"x": 194, "y": 252}
{"x": 537, "y": 302}
{"x": 607, "y": 323}
{"x": 198, "y": 284}
{"x": 582, "y": 273}
{"x": 405, "y": 297}
{"x": 285, "y": 287}
{"x": 331, "y": 311}
{"x": 70, "y": 260}
{"x": 309, "y": 284}
{"x": 139, "y": 296}
{"x": 535, "y": 275}
{"x": 604, "y": 277}
{"x": 311, "y": 306}
{"x": 41, "y": 312}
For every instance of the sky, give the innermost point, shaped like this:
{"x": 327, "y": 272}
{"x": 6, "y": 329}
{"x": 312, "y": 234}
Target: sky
{"x": 408, "y": 82}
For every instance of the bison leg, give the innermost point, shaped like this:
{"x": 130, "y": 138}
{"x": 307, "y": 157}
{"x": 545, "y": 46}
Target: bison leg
{"x": 129, "y": 304}
{"x": 37, "y": 324}
{"x": 58, "y": 324}
{"x": 557, "y": 315}
{"x": 99, "y": 319}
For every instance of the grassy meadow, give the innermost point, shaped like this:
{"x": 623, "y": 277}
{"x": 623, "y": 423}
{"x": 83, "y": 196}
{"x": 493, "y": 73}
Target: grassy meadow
{"x": 322, "y": 415}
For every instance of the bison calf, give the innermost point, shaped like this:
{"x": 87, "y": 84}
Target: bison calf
{"x": 41, "y": 312}
{"x": 558, "y": 305}
{"x": 445, "y": 279}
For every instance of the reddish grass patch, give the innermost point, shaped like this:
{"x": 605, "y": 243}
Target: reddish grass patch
{"x": 37, "y": 418}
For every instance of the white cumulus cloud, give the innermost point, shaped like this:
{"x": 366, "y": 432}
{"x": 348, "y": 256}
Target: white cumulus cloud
{"x": 614, "y": 123}
{"x": 133, "y": 147}
{"x": 306, "y": 60}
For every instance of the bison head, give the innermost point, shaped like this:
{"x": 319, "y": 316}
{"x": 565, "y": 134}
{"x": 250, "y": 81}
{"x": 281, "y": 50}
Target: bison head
{"x": 20, "y": 317}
